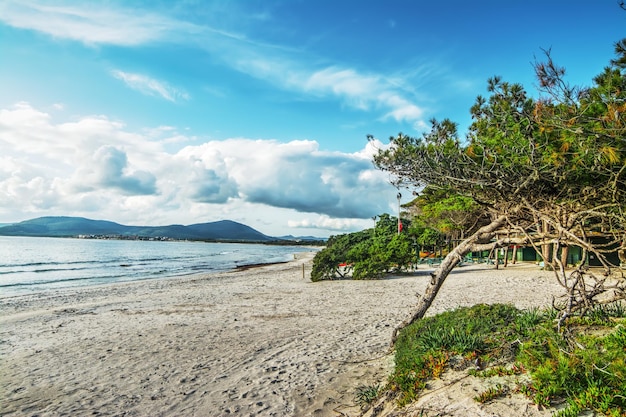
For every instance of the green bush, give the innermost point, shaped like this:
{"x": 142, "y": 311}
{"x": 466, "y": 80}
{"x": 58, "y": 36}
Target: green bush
{"x": 423, "y": 348}
{"x": 585, "y": 367}
{"x": 366, "y": 395}
{"x": 369, "y": 253}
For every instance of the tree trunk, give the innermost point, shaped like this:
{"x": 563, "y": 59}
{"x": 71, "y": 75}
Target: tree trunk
{"x": 564, "y": 255}
{"x": 446, "y": 266}
{"x": 506, "y": 256}
{"x": 514, "y": 256}
{"x": 546, "y": 247}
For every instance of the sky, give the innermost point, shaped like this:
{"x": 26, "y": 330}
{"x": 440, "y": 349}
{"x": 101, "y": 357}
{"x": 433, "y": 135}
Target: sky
{"x": 257, "y": 111}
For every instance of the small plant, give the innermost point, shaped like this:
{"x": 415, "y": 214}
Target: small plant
{"x": 601, "y": 313}
{"x": 516, "y": 369}
{"x": 584, "y": 366}
{"x": 527, "y": 320}
{"x": 527, "y": 390}
{"x": 424, "y": 348}
{"x": 367, "y": 394}
{"x": 452, "y": 339}
{"x": 571, "y": 410}
{"x": 491, "y": 393}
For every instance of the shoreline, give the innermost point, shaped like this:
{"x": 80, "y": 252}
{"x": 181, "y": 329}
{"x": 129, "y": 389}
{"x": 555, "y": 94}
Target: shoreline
{"x": 246, "y": 267}
{"x": 258, "y": 342}
{"x": 27, "y": 290}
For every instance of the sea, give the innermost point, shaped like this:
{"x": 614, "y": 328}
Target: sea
{"x": 36, "y": 264}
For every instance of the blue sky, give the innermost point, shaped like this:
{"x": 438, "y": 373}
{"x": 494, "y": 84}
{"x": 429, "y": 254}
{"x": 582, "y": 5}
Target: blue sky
{"x": 164, "y": 112}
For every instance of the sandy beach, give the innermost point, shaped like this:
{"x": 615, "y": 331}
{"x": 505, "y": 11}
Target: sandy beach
{"x": 264, "y": 341}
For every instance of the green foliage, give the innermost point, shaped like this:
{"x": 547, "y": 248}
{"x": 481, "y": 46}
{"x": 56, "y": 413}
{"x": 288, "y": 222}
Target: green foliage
{"x": 423, "y": 349}
{"x": 528, "y": 320}
{"x": 590, "y": 372}
{"x": 367, "y": 394}
{"x": 559, "y": 158}
{"x": 446, "y": 211}
{"x": 518, "y": 146}
{"x": 587, "y": 369}
{"x": 516, "y": 369}
{"x": 603, "y": 313}
{"x": 326, "y": 261}
{"x": 369, "y": 254}
{"x": 491, "y": 394}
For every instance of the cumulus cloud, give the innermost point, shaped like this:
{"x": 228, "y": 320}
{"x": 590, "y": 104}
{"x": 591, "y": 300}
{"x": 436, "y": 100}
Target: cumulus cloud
{"x": 25, "y": 186}
{"x": 110, "y": 169}
{"x": 201, "y": 178}
{"x": 324, "y": 223}
{"x": 96, "y": 165}
{"x": 150, "y": 86}
{"x": 297, "y": 175}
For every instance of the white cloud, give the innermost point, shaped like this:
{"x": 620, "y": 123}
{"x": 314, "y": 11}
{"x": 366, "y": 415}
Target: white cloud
{"x": 325, "y": 223}
{"x": 109, "y": 169}
{"x": 95, "y": 167}
{"x": 150, "y": 86}
{"x": 402, "y": 109}
{"x": 91, "y": 24}
{"x": 294, "y": 175}
{"x": 285, "y": 68}
{"x": 366, "y": 92}
{"x": 358, "y": 90}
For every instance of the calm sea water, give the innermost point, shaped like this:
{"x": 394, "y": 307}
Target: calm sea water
{"x": 29, "y": 264}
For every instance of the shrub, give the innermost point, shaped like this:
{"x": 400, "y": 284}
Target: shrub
{"x": 585, "y": 367}
{"x": 370, "y": 253}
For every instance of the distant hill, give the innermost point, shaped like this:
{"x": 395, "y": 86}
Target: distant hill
{"x": 302, "y": 238}
{"x": 224, "y": 230}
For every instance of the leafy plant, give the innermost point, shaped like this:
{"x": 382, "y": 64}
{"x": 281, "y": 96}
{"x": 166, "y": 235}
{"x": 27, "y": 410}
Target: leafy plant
{"x": 424, "y": 348}
{"x": 586, "y": 367}
{"x": 548, "y": 170}
{"x": 491, "y": 393}
{"x": 516, "y": 369}
{"x": 368, "y": 254}
{"x": 367, "y": 394}
{"x": 527, "y": 321}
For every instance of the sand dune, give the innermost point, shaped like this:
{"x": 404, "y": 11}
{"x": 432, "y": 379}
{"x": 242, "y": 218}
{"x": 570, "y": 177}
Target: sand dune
{"x": 258, "y": 342}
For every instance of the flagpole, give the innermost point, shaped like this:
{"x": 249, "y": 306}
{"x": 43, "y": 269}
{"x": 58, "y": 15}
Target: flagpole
{"x": 399, "y": 222}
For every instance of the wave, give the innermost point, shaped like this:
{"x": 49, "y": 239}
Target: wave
{"x": 27, "y": 264}
{"x": 60, "y": 281}
{"x": 37, "y": 265}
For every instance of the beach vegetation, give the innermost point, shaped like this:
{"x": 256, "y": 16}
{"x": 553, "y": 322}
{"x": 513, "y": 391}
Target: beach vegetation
{"x": 547, "y": 173}
{"x": 366, "y": 395}
{"x": 448, "y": 214}
{"x": 368, "y": 254}
{"x": 585, "y": 371}
{"x": 491, "y": 393}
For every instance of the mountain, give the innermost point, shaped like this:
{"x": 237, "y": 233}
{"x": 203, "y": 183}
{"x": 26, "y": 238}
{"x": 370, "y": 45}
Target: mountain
{"x": 233, "y": 230}
{"x": 224, "y": 230}
{"x": 302, "y": 238}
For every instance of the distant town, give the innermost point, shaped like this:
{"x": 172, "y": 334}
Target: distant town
{"x": 133, "y": 237}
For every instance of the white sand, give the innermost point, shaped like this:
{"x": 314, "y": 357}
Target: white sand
{"x": 259, "y": 342}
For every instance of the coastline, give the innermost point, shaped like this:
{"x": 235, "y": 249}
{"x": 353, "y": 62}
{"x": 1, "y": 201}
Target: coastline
{"x": 257, "y": 341}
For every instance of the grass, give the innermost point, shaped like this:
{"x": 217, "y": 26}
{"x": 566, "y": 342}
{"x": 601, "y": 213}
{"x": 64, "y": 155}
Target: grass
{"x": 585, "y": 367}
{"x": 491, "y": 394}
{"x": 367, "y": 394}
